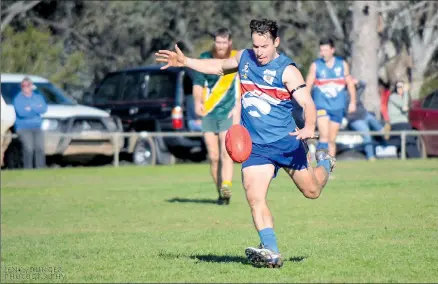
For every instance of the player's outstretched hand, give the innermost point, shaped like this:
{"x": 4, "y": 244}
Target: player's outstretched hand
{"x": 173, "y": 59}
{"x": 304, "y": 133}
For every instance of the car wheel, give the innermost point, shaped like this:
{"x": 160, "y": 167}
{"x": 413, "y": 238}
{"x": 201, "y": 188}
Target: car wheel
{"x": 13, "y": 158}
{"x": 198, "y": 157}
{"x": 164, "y": 157}
{"x": 144, "y": 152}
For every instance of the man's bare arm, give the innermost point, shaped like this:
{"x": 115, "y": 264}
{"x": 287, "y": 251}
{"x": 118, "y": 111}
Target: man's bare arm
{"x": 213, "y": 66}
{"x": 293, "y": 79}
{"x": 351, "y": 87}
{"x": 206, "y": 66}
{"x": 197, "y": 95}
{"x": 237, "y": 110}
{"x": 311, "y": 76}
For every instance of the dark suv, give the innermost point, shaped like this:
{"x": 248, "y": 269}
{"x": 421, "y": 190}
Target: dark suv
{"x": 153, "y": 100}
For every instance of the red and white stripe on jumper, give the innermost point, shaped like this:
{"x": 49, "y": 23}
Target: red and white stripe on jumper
{"x": 274, "y": 92}
{"x": 337, "y": 81}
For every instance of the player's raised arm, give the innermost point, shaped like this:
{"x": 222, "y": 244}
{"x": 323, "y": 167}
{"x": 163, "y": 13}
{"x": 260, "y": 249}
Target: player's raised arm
{"x": 206, "y": 66}
{"x": 294, "y": 83}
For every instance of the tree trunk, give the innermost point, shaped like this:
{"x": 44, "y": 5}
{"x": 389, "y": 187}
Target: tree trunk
{"x": 423, "y": 45}
{"x": 365, "y": 44}
{"x": 15, "y": 9}
{"x": 421, "y": 56}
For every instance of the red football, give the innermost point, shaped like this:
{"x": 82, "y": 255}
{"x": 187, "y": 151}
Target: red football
{"x": 238, "y": 143}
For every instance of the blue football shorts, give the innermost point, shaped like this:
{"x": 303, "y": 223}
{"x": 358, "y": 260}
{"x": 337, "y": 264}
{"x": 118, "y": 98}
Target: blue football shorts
{"x": 288, "y": 152}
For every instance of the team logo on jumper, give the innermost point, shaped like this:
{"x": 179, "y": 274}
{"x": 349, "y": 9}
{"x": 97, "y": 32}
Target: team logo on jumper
{"x": 258, "y": 104}
{"x": 245, "y": 71}
{"x": 268, "y": 76}
{"x": 255, "y": 106}
{"x": 323, "y": 74}
{"x": 331, "y": 90}
{"x": 338, "y": 71}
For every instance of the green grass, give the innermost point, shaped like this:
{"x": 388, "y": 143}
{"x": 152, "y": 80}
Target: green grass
{"x": 375, "y": 222}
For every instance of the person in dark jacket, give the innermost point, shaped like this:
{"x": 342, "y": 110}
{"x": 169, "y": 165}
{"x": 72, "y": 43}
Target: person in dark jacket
{"x": 363, "y": 121}
{"x": 29, "y": 106}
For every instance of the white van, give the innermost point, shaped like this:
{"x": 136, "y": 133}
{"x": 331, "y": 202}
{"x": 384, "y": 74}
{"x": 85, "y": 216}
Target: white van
{"x": 63, "y": 116}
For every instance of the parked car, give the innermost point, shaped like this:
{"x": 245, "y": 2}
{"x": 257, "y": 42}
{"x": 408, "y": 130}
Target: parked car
{"x": 152, "y": 100}
{"x": 423, "y": 115}
{"x": 63, "y": 116}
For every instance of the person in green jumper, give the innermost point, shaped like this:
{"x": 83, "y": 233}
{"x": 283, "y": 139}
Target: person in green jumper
{"x": 215, "y": 98}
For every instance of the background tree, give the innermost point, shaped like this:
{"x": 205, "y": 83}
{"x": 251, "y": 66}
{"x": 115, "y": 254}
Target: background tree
{"x": 410, "y": 40}
{"x": 365, "y": 43}
{"x": 35, "y": 51}
{"x": 121, "y": 34}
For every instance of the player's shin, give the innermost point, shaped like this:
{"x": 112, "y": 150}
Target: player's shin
{"x": 332, "y": 149}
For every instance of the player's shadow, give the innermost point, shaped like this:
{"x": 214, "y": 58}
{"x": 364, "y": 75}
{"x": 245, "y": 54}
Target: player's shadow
{"x": 192, "y": 200}
{"x": 206, "y": 257}
{"x": 236, "y": 259}
{"x": 220, "y": 258}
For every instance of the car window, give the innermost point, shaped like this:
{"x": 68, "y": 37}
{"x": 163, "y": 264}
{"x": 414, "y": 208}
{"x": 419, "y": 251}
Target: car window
{"x": 427, "y": 101}
{"x": 160, "y": 85}
{"x": 9, "y": 91}
{"x": 434, "y": 103}
{"x": 134, "y": 85}
{"x": 109, "y": 89}
{"x": 51, "y": 94}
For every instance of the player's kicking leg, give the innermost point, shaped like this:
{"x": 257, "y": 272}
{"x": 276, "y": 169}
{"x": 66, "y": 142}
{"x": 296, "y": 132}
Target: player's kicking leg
{"x": 310, "y": 181}
{"x": 257, "y": 173}
{"x": 256, "y": 180}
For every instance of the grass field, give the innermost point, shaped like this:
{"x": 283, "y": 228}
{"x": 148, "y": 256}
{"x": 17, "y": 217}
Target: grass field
{"x": 375, "y": 222}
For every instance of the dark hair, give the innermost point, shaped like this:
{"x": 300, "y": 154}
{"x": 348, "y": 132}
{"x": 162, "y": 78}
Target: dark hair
{"x": 264, "y": 26}
{"x": 328, "y": 41}
{"x": 222, "y": 32}
{"x": 398, "y": 82}
{"x": 383, "y": 83}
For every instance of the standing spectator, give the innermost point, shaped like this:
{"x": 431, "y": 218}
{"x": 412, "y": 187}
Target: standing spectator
{"x": 384, "y": 98}
{"x": 7, "y": 121}
{"x": 363, "y": 121}
{"x": 398, "y": 107}
{"x": 29, "y": 106}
